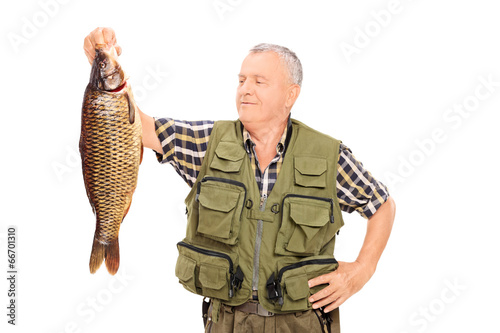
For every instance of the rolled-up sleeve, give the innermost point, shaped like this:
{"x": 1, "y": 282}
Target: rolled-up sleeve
{"x": 184, "y": 144}
{"x": 357, "y": 189}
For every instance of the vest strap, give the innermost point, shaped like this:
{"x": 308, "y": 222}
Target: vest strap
{"x": 254, "y": 308}
{"x": 258, "y": 215}
{"x": 215, "y": 310}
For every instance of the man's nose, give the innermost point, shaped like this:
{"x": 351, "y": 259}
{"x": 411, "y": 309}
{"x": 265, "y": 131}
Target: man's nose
{"x": 246, "y": 88}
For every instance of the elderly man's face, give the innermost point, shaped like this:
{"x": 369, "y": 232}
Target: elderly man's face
{"x": 261, "y": 97}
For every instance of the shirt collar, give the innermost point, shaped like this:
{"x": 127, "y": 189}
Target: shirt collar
{"x": 280, "y": 147}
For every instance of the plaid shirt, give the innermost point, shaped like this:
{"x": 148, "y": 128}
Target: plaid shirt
{"x": 185, "y": 143}
{"x": 267, "y": 179}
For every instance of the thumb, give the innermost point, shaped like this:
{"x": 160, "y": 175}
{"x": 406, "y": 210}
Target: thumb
{"x": 89, "y": 50}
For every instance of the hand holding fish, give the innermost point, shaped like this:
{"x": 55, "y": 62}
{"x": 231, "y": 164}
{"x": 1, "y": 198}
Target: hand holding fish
{"x": 101, "y": 36}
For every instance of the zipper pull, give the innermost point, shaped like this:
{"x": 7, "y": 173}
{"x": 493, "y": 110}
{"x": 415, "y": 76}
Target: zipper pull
{"x": 263, "y": 200}
{"x": 198, "y": 188}
{"x": 332, "y": 220}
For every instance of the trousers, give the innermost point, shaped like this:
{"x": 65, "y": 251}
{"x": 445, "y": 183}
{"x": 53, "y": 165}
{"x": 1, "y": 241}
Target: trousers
{"x": 311, "y": 321}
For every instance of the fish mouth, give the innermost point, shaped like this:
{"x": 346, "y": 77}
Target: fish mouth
{"x": 120, "y": 87}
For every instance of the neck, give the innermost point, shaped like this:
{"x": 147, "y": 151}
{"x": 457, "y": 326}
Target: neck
{"x": 266, "y": 139}
{"x": 266, "y": 134}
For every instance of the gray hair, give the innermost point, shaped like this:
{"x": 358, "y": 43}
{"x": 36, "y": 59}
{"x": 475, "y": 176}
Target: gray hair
{"x": 290, "y": 59}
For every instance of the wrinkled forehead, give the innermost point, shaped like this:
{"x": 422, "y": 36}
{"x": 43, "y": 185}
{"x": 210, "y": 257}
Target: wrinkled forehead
{"x": 263, "y": 64}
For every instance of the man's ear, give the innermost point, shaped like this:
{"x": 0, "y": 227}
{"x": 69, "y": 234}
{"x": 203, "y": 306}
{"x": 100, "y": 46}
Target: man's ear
{"x": 292, "y": 95}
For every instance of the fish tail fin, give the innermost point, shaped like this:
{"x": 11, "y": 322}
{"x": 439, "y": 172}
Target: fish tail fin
{"x": 113, "y": 257}
{"x": 97, "y": 255}
{"x": 101, "y": 251}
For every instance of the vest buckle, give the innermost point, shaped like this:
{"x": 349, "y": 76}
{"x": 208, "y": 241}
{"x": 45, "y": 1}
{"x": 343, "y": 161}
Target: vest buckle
{"x": 274, "y": 290}
{"x": 236, "y": 281}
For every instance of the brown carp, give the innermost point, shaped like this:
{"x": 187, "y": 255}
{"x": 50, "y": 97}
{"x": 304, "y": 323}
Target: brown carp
{"x": 111, "y": 151}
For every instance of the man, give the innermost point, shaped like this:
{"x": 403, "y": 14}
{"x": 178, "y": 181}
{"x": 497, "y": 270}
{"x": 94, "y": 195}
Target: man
{"x": 263, "y": 211}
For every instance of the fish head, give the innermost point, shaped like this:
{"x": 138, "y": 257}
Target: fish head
{"x": 106, "y": 74}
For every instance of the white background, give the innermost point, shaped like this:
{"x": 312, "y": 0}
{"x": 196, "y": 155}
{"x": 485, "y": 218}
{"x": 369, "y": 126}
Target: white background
{"x": 439, "y": 271}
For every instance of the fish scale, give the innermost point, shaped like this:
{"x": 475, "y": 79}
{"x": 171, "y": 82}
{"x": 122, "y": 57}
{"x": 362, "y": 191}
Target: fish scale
{"x": 111, "y": 151}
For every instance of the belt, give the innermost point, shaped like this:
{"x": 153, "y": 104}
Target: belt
{"x": 254, "y": 308}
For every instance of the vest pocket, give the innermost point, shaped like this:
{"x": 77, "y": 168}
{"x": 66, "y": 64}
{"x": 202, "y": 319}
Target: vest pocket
{"x": 184, "y": 270}
{"x": 308, "y": 220}
{"x": 207, "y": 272}
{"x": 228, "y": 157}
{"x": 220, "y": 207}
{"x": 213, "y": 280}
{"x": 296, "y": 292}
{"x": 310, "y": 171}
{"x": 307, "y": 225}
{"x": 291, "y": 290}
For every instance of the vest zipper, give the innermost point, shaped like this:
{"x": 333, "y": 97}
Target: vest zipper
{"x": 223, "y": 180}
{"x": 308, "y": 197}
{"x": 274, "y": 285}
{"x": 235, "y": 277}
{"x": 263, "y": 200}
{"x": 258, "y": 242}
{"x": 325, "y": 261}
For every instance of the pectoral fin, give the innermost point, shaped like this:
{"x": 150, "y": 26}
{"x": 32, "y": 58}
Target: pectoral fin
{"x": 131, "y": 108}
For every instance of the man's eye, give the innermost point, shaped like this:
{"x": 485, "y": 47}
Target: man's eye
{"x": 259, "y": 82}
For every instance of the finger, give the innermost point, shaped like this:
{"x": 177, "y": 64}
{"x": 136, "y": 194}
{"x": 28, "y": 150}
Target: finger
{"x": 335, "y": 304}
{"x": 109, "y": 36}
{"x": 89, "y": 49}
{"x": 90, "y": 57}
{"x": 322, "y": 279}
{"x": 97, "y": 37}
{"x": 326, "y": 301}
{"x": 325, "y": 292}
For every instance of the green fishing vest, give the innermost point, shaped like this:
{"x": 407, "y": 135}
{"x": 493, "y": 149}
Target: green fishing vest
{"x": 289, "y": 236}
